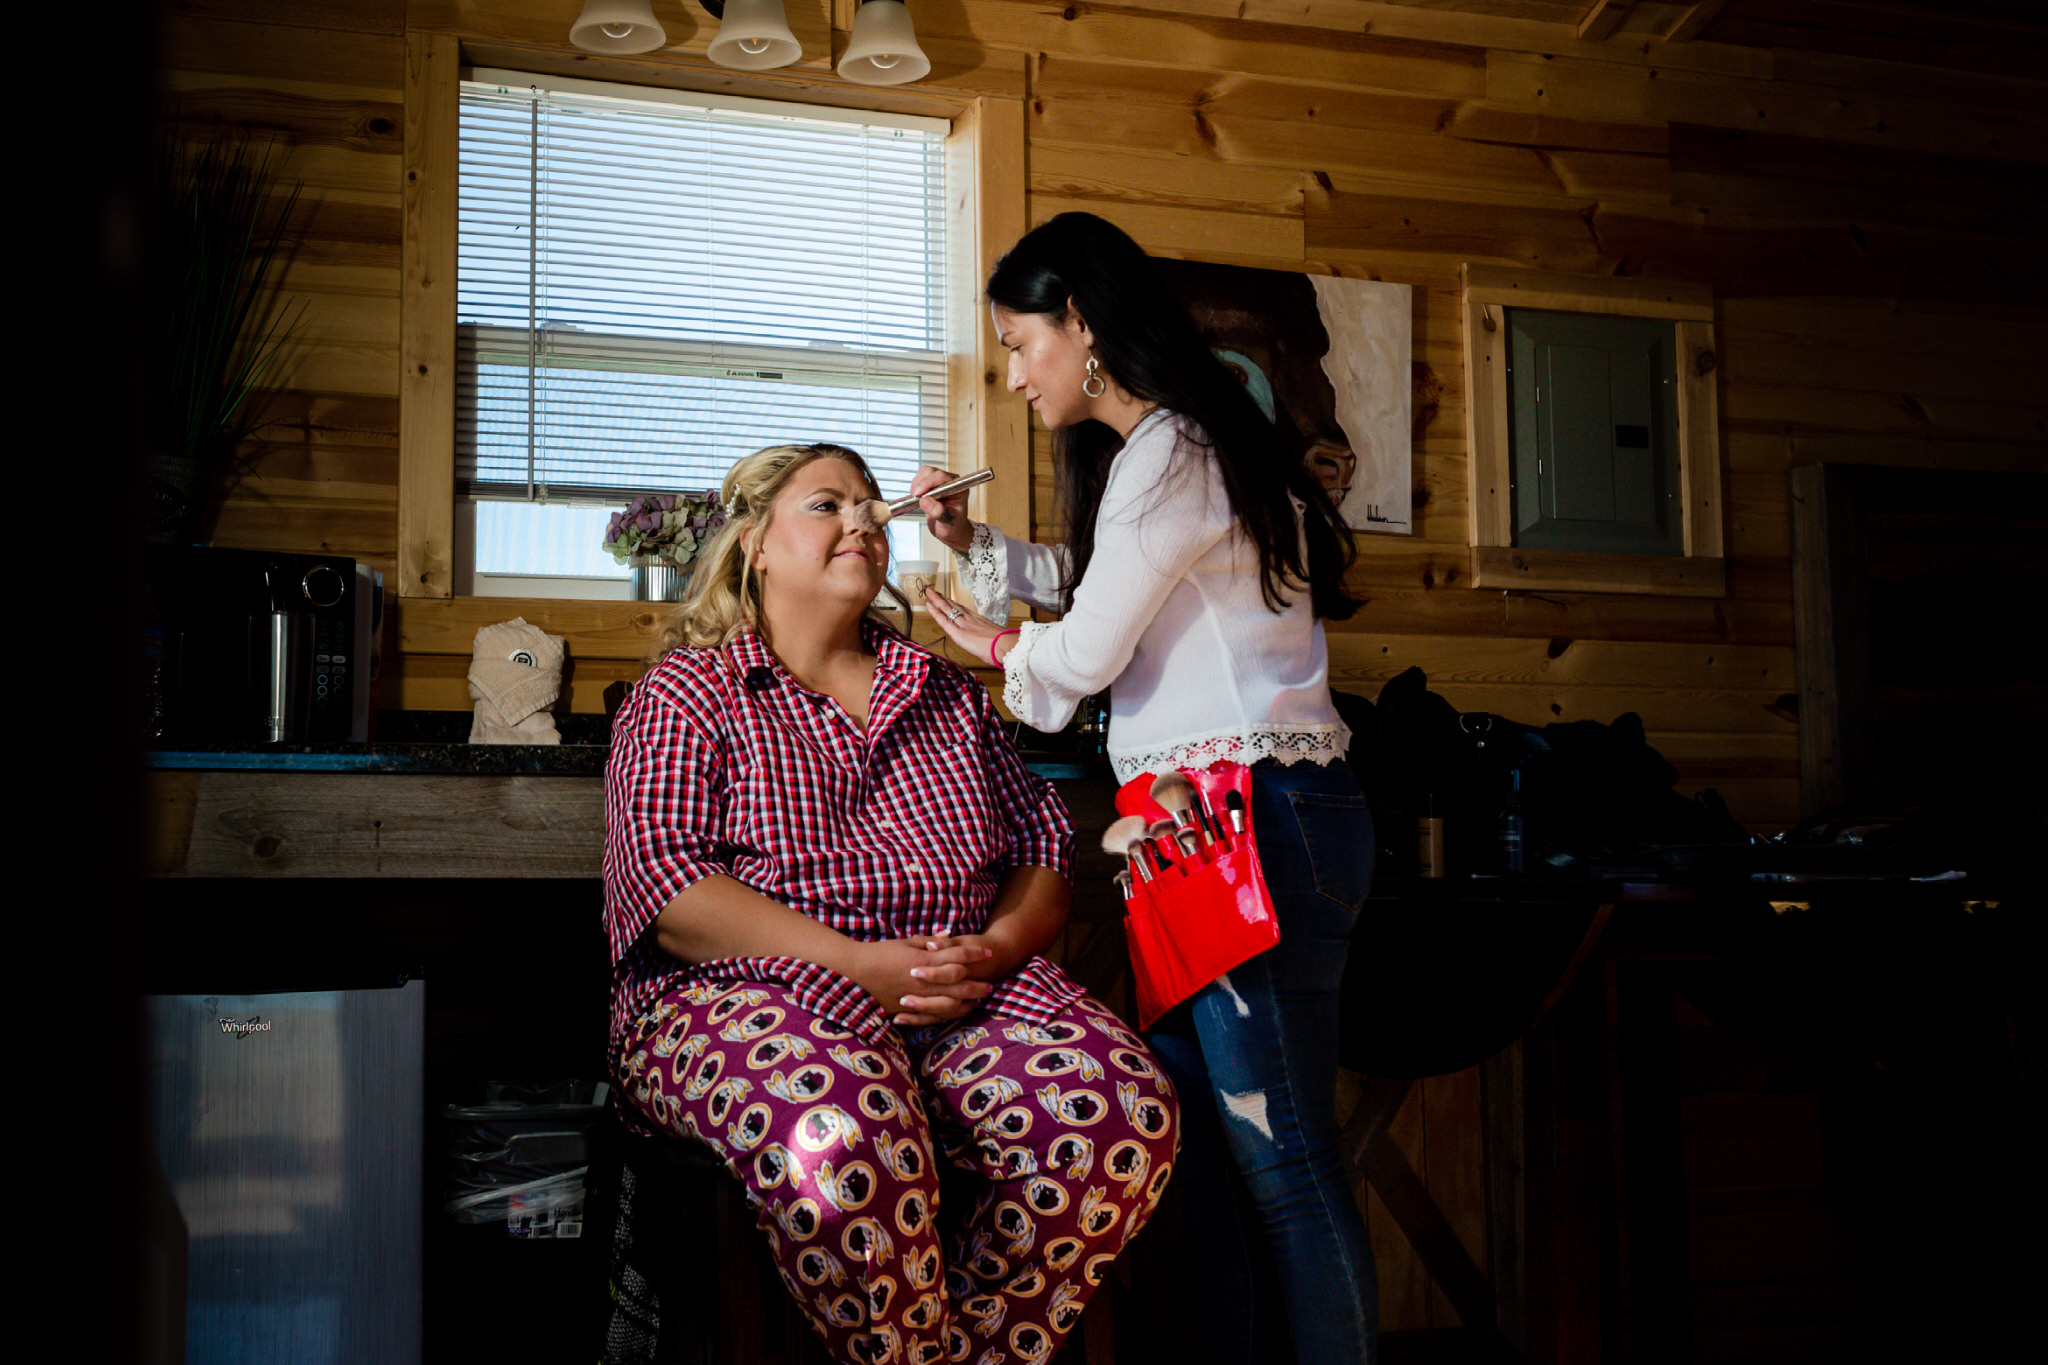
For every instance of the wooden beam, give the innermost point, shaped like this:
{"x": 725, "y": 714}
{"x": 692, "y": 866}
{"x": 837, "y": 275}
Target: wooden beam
{"x": 1590, "y": 86}
{"x": 279, "y": 824}
{"x": 959, "y": 71}
{"x": 1501, "y": 1109}
{"x": 1430, "y": 1233}
{"x": 1441, "y": 24}
{"x": 1699, "y": 441}
{"x": 1603, "y": 19}
{"x": 1831, "y": 614}
{"x": 426, "y": 371}
{"x": 1502, "y": 566}
{"x": 1510, "y": 287}
{"x": 991, "y": 427}
{"x": 1366, "y": 1129}
{"x": 1697, "y": 16}
{"x": 1487, "y": 418}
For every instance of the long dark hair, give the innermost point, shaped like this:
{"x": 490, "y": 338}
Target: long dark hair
{"x": 1146, "y": 341}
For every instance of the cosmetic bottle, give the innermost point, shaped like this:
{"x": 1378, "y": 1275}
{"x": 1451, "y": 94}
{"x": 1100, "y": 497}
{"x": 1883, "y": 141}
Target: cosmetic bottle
{"x": 1429, "y": 841}
{"x": 1514, "y": 858}
{"x": 1090, "y": 726}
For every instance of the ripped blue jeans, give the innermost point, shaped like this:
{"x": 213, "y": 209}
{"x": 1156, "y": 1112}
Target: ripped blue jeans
{"x": 1273, "y": 1232}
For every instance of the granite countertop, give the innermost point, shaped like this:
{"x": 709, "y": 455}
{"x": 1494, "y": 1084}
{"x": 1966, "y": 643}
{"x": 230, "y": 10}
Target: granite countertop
{"x": 437, "y": 742}
{"x": 409, "y": 742}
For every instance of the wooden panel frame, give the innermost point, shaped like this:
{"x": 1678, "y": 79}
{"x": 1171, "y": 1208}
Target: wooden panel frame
{"x": 986, "y": 165}
{"x": 1701, "y": 571}
{"x": 985, "y": 156}
{"x": 1831, "y": 615}
{"x": 304, "y": 824}
{"x": 426, "y": 304}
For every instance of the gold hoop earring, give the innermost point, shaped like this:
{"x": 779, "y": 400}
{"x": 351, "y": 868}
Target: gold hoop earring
{"x": 1092, "y": 383}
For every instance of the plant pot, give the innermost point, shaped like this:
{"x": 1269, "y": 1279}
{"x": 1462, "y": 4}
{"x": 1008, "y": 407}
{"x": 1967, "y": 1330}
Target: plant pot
{"x": 177, "y": 489}
{"x": 657, "y": 580}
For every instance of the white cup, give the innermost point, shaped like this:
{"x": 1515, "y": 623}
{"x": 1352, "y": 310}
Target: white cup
{"x": 913, "y": 576}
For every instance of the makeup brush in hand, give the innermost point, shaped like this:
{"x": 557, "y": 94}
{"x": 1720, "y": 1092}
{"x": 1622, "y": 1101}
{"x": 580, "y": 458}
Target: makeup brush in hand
{"x": 872, "y": 514}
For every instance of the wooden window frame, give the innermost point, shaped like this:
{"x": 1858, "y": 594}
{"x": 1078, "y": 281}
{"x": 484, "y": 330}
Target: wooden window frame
{"x": 986, "y": 213}
{"x": 1701, "y": 571}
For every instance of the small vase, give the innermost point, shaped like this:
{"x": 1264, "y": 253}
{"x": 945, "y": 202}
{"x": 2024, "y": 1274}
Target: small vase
{"x": 657, "y": 580}
{"x": 178, "y": 486}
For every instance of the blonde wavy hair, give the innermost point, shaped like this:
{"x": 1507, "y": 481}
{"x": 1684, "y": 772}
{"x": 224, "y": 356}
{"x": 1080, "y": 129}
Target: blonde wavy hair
{"x": 724, "y": 597}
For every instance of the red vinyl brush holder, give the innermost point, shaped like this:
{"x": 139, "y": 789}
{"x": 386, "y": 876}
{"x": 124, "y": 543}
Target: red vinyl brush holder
{"x": 1206, "y": 913}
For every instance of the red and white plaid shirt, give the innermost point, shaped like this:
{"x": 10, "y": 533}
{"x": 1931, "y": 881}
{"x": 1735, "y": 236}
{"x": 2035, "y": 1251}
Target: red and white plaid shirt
{"x": 722, "y": 762}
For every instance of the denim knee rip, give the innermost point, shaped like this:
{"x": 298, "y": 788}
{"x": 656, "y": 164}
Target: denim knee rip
{"x": 1251, "y": 1108}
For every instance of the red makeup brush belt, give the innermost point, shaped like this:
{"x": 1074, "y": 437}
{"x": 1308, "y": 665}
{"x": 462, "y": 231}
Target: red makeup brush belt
{"x": 1203, "y": 912}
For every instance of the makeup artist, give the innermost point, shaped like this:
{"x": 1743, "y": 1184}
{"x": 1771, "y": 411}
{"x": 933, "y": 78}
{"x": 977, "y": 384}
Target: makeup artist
{"x": 827, "y": 882}
{"x": 1200, "y": 560}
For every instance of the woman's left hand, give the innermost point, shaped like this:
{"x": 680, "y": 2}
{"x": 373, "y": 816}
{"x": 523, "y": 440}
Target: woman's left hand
{"x": 968, "y": 628}
{"x": 959, "y": 972}
{"x": 975, "y": 958}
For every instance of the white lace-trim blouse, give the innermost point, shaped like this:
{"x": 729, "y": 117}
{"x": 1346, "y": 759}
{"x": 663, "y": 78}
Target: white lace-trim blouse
{"x": 1169, "y": 617}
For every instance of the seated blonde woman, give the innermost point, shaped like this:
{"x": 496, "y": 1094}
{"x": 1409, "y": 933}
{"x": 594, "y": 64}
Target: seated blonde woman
{"x": 828, "y": 880}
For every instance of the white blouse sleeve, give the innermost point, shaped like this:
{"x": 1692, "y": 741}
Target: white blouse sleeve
{"x": 994, "y": 568}
{"x": 1163, "y": 508}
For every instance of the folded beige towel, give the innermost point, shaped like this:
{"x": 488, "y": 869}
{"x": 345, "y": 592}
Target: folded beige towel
{"x": 515, "y": 676}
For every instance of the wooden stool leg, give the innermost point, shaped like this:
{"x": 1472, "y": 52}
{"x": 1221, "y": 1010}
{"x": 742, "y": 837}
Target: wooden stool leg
{"x": 739, "y": 1300}
{"x": 1098, "y": 1326}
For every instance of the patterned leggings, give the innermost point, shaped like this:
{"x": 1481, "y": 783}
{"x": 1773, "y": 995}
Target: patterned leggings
{"x": 1066, "y": 1131}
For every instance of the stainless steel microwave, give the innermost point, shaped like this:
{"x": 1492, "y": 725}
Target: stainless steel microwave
{"x": 263, "y": 647}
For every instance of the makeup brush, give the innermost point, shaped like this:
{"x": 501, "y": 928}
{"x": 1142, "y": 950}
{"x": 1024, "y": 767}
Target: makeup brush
{"x": 1160, "y": 836}
{"x": 1125, "y": 839}
{"x": 1169, "y": 844}
{"x": 872, "y": 514}
{"x": 1176, "y": 795}
{"x": 1234, "y": 802}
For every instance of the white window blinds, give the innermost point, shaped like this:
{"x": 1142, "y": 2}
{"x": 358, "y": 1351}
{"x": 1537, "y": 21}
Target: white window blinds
{"x": 653, "y": 284}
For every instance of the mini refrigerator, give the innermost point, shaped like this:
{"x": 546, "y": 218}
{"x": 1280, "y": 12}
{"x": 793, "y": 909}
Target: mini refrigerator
{"x": 290, "y": 1127}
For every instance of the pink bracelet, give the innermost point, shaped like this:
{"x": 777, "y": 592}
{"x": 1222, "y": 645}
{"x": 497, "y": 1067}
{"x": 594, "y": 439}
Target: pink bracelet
{"x": 1013, "y": 630}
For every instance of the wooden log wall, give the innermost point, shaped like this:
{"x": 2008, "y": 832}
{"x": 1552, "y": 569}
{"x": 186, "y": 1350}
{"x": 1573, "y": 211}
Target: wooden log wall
{"x": 1868, "y": 227}
{"x": 1867, "y": 203}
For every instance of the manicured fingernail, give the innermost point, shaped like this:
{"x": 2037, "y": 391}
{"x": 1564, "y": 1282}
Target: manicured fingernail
{"x": 905, "y": 1002}
{"x": 917, "y": 972}
{"x": 988, "y": 952}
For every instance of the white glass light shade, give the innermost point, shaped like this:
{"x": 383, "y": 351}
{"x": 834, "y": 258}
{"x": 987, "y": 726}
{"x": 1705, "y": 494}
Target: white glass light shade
{"x": 754, "y": 36}
{"x": 883, "y": 50}
{"x": 617, "y": 28}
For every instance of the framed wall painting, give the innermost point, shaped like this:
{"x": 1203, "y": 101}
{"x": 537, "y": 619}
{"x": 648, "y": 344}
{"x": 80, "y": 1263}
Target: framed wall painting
{"x": 1328, "y": 360}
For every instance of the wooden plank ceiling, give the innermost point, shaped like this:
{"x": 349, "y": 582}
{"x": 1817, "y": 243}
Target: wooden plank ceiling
{"x": 2008, "y": 37}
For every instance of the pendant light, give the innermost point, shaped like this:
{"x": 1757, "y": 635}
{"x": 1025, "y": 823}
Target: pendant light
{"x": 753, "y": 35}
{"x": 883, "y": 47}
{"x": 617, "y": 28}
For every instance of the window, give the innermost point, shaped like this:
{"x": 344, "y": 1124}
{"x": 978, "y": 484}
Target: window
{"x": 1595, "y": 441}
{"x": 652, "y": 284}
{"x": 984, "y": 212}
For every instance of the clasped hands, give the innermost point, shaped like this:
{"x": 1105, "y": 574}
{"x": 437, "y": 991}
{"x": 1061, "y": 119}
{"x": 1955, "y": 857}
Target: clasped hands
{"x": 931, "y": 978}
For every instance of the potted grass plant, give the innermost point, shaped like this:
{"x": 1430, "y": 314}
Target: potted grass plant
{"x": 223, "y": 221}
